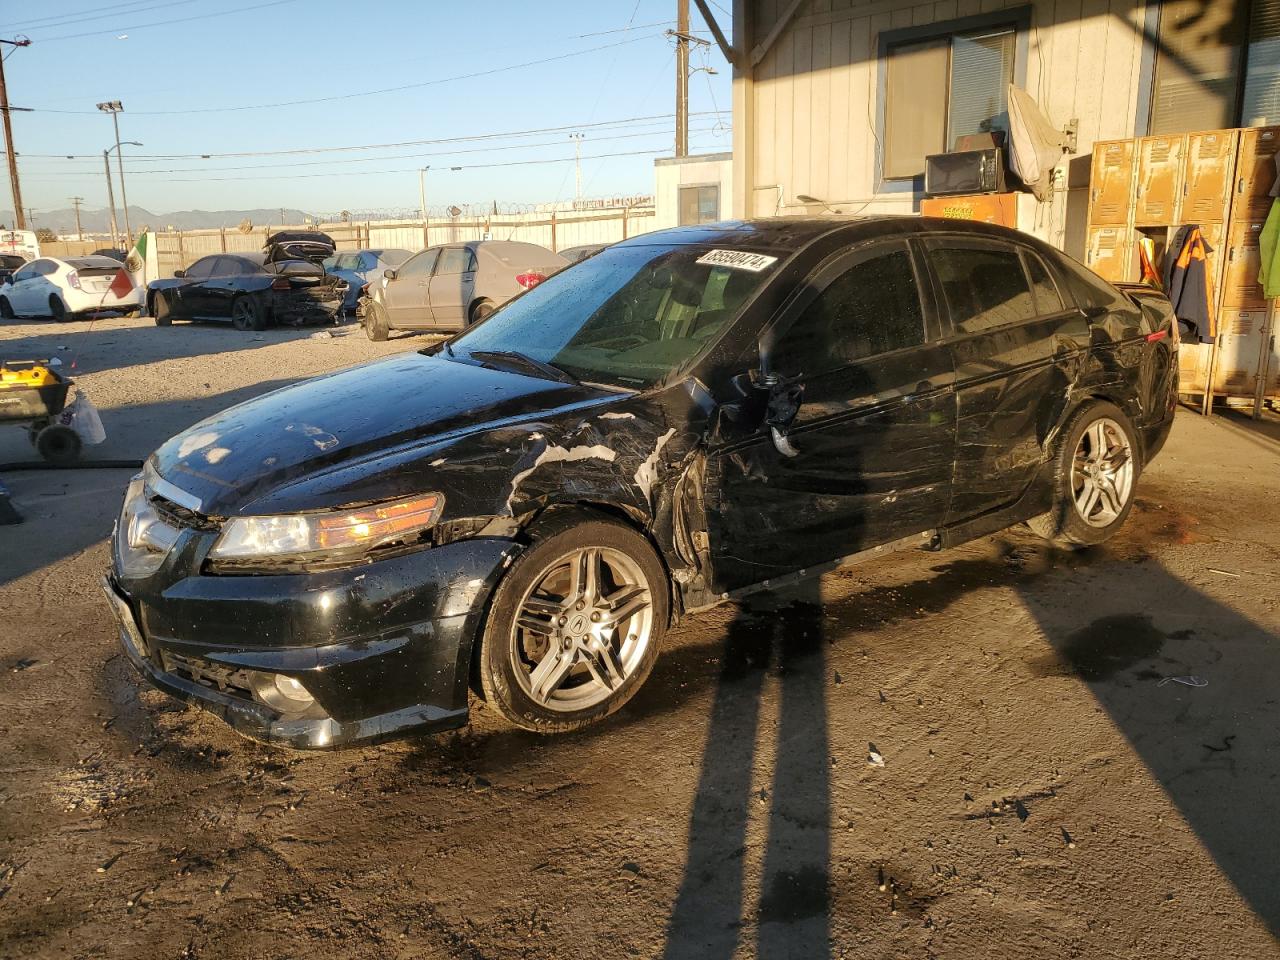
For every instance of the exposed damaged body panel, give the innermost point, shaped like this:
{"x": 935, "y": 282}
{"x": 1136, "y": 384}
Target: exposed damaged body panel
{"x": 757, "y": 401}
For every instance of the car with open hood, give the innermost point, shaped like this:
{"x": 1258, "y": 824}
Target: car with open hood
{"x": 284, "y": 284}
{"x": 689, "y": 416}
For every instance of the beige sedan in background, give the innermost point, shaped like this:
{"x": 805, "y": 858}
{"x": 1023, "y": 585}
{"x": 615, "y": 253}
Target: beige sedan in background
{"x": 452, "y": 286}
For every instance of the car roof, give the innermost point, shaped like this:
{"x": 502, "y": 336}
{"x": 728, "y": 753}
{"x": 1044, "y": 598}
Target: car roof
{"x": 91, "y": 261}
{"x": 516, "y": 252}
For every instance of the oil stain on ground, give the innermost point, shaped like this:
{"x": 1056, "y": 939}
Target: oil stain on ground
{"x": 1106, "y": 646}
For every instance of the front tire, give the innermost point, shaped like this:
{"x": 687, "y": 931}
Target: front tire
{"x": 1095, "y": 473}
{"x": 575, "y": 625}
{"x": 247, "y": 314}
{"x": 160, "y": 310}
{"x": 376, "y": 327}
{"x": 6, "y": 310}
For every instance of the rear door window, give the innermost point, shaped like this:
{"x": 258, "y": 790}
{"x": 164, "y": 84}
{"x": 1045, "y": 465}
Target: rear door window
{"x": 873, "y": 307}
{"x": 454, "y": 260}
{"x": 1048, "y": 300}
{"x": 984, "y": 284}
{"x": 202, "y": 269}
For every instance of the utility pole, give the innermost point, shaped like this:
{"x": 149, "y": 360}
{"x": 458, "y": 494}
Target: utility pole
{"x": 75, "y": 202}
{"x": 111, "y": 197}
{"x": 577, "y": 167}
{"x": 31, "y": 217}
{"x": 422, "y": 204}
{"x": 8, "y": 139}
{"x": 682, "y": 78}
{"x": 282, "y": 216}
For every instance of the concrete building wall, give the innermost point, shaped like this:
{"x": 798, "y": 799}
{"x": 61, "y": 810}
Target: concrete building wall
{"x": 806, "y": 116}
{"x": 672, "y": 173}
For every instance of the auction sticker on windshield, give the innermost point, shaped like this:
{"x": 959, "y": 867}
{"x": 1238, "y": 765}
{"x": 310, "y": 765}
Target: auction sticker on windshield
{"x": 738, "y": 260}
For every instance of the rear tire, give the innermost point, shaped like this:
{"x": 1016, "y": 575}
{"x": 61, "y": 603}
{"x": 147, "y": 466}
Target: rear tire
{"x": 161, "y": 310}
{"x": 58, "y": 309}
{"x": 1096, "y": 469}
{"x": 376, "y": 327}
{"x": 58, "y": 445}
{"x": 550, "y": 661}
{"x": 246, "y": 314}
{"x": 479, "y": 310}
{"x": 6, "y": 310}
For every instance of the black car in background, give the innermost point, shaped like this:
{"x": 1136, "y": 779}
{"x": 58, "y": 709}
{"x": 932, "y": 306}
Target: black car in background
{"x": 285, "y": 284}
{"x": 685, "y": 417}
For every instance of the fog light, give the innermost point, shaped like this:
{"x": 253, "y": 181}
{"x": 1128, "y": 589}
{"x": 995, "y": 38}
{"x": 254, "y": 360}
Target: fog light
{"x": 282, "y": 693}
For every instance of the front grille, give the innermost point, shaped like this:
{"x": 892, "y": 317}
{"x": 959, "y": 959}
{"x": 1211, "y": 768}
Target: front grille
{"x": 223, "y": 679}
{"x": 179, "y": 516}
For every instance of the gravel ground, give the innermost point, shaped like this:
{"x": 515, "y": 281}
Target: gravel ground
{"x": 1045, "y": 790}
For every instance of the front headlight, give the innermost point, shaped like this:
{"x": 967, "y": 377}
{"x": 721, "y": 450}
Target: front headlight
{"x": 347, "y": 531}
{"x": 143, "y": 537}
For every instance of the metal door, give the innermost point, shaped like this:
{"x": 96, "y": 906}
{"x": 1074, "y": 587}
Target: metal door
{"x": 1210, "y": 169}
{"x": 451, "y": 287}
{"x": 1240, "y": 287}
{"x": 1240, "y": 351}
{"x": 1159, "y": 180}
{"x": 1110, "y": 255}
{"x": 405, "y": 297}
{"x": 1111, "y": 182}
{"x": 1255, "y": 172}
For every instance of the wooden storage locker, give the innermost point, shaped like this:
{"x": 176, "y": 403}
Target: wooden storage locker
{"x": 1240, "y": 287}
{"x": 1255, "y": 172}
{"x": 1111, "y": 182}
{"x": 1193, "y": 367}
{"x": 1109, "y": 254}
{"x": 1210, "y": 172}
{"x": 1160, "y": 161}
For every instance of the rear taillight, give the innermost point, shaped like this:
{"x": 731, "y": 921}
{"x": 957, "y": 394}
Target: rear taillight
{"x": 530, "y": 280}
{"x": 280, "y": 284}
{"x": 73, "y": 279}
{"x": 1158, "y": 335}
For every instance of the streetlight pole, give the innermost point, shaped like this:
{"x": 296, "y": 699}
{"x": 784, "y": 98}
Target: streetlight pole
{"x": 111, "y": 197}
{"x": 422, "y": 203}
{"x": 115, "y": 108}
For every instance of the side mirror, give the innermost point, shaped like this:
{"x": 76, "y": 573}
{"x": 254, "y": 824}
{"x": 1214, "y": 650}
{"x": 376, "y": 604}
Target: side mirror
{"x": 179, "y": 274}
{"x": 389, "y": 274}
{"x": 785, "y": 396}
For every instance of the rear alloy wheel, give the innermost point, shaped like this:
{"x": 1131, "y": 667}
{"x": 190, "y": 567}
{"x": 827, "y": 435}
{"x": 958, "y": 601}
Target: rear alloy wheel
{"x": 480, "y": 309}
{"x": 6, "y": 309}
{"x": 575, "y": 626}
{"x": 246, "y": 314}
{"x": 161, "y": 310}
{"x": 1094, "y": 479}
{"x": 58, "y": 309}
{"x": 375, "y": 322}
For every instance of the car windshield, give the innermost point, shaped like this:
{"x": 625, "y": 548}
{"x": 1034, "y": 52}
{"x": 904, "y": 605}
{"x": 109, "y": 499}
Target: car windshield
{"x": 629, "y": 316}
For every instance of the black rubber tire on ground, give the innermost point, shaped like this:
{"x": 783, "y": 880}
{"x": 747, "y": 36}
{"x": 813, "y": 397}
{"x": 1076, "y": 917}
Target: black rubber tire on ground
{"x": 6, "y": 310}
{"x": 58, "y": 309}
{"x": 247, "y": 314}
{"x": 552, "y": 538}
{"x": 161, "y": 311}
{"x": 376, "y": 327}
{"x": 58, "y": 445}
{"x": 1063, "y": 524}
{"x": 479, "y": 310}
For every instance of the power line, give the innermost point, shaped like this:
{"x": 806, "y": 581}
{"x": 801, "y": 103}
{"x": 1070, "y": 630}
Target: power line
{"x": 46, "y": 23}
{"x": 532, "y": 131}
{"x": 365, "y": 93}
{"x": 164, "y": 23}
{"x": 408, "y": 156}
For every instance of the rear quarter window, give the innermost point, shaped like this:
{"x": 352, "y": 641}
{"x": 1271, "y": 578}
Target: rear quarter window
{"x": 1084, "y": 286}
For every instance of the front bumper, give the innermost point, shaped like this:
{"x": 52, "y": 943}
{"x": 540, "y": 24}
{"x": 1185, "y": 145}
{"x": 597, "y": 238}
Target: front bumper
{"x": 384, "y": 648}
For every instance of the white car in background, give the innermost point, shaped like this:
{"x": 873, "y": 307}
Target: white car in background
{"x": 62, "y": 289}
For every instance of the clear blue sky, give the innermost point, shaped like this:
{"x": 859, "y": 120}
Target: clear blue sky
{"x": 286, "y": 50}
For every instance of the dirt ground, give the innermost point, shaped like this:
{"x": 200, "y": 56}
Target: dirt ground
{"x": 1079, "y": 751}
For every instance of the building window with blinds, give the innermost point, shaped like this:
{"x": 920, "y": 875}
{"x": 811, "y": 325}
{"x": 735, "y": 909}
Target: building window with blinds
{"x": 699, "y": 204}
{"x": 1217, "y": 65}
{"x": 940, "y": 89}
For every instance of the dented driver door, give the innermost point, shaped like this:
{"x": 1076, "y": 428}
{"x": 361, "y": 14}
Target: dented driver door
{"x": 864, "y": 456}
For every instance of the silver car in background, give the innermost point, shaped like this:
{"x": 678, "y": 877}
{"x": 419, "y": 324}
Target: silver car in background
{"x": 359, "y": 267}
{"x": 452, "y": 286}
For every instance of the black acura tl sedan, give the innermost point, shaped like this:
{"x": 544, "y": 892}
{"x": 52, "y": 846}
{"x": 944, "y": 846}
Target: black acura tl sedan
{"x": 686, "y": 417}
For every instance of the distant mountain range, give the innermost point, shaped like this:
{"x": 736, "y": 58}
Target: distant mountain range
{"x": 63, "y": 222}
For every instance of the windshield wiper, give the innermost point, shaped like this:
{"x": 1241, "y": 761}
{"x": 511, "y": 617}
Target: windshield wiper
{"x": 515, "y": 358}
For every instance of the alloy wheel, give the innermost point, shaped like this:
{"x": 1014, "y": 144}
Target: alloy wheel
{"x": 1102, "y": 473}
{"x": 582, "y": 629}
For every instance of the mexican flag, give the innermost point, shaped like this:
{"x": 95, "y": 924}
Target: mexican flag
{"x": 134, "y": 272}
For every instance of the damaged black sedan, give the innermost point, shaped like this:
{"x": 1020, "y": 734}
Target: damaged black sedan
{"x": 688, "y": 416}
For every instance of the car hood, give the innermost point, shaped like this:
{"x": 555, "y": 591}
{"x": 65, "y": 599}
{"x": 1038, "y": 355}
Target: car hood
{"x": 351, "y": 423}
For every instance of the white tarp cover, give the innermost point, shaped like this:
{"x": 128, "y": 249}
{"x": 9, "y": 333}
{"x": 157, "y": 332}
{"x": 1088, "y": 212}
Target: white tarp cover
{"x": 1036, "y": 146}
